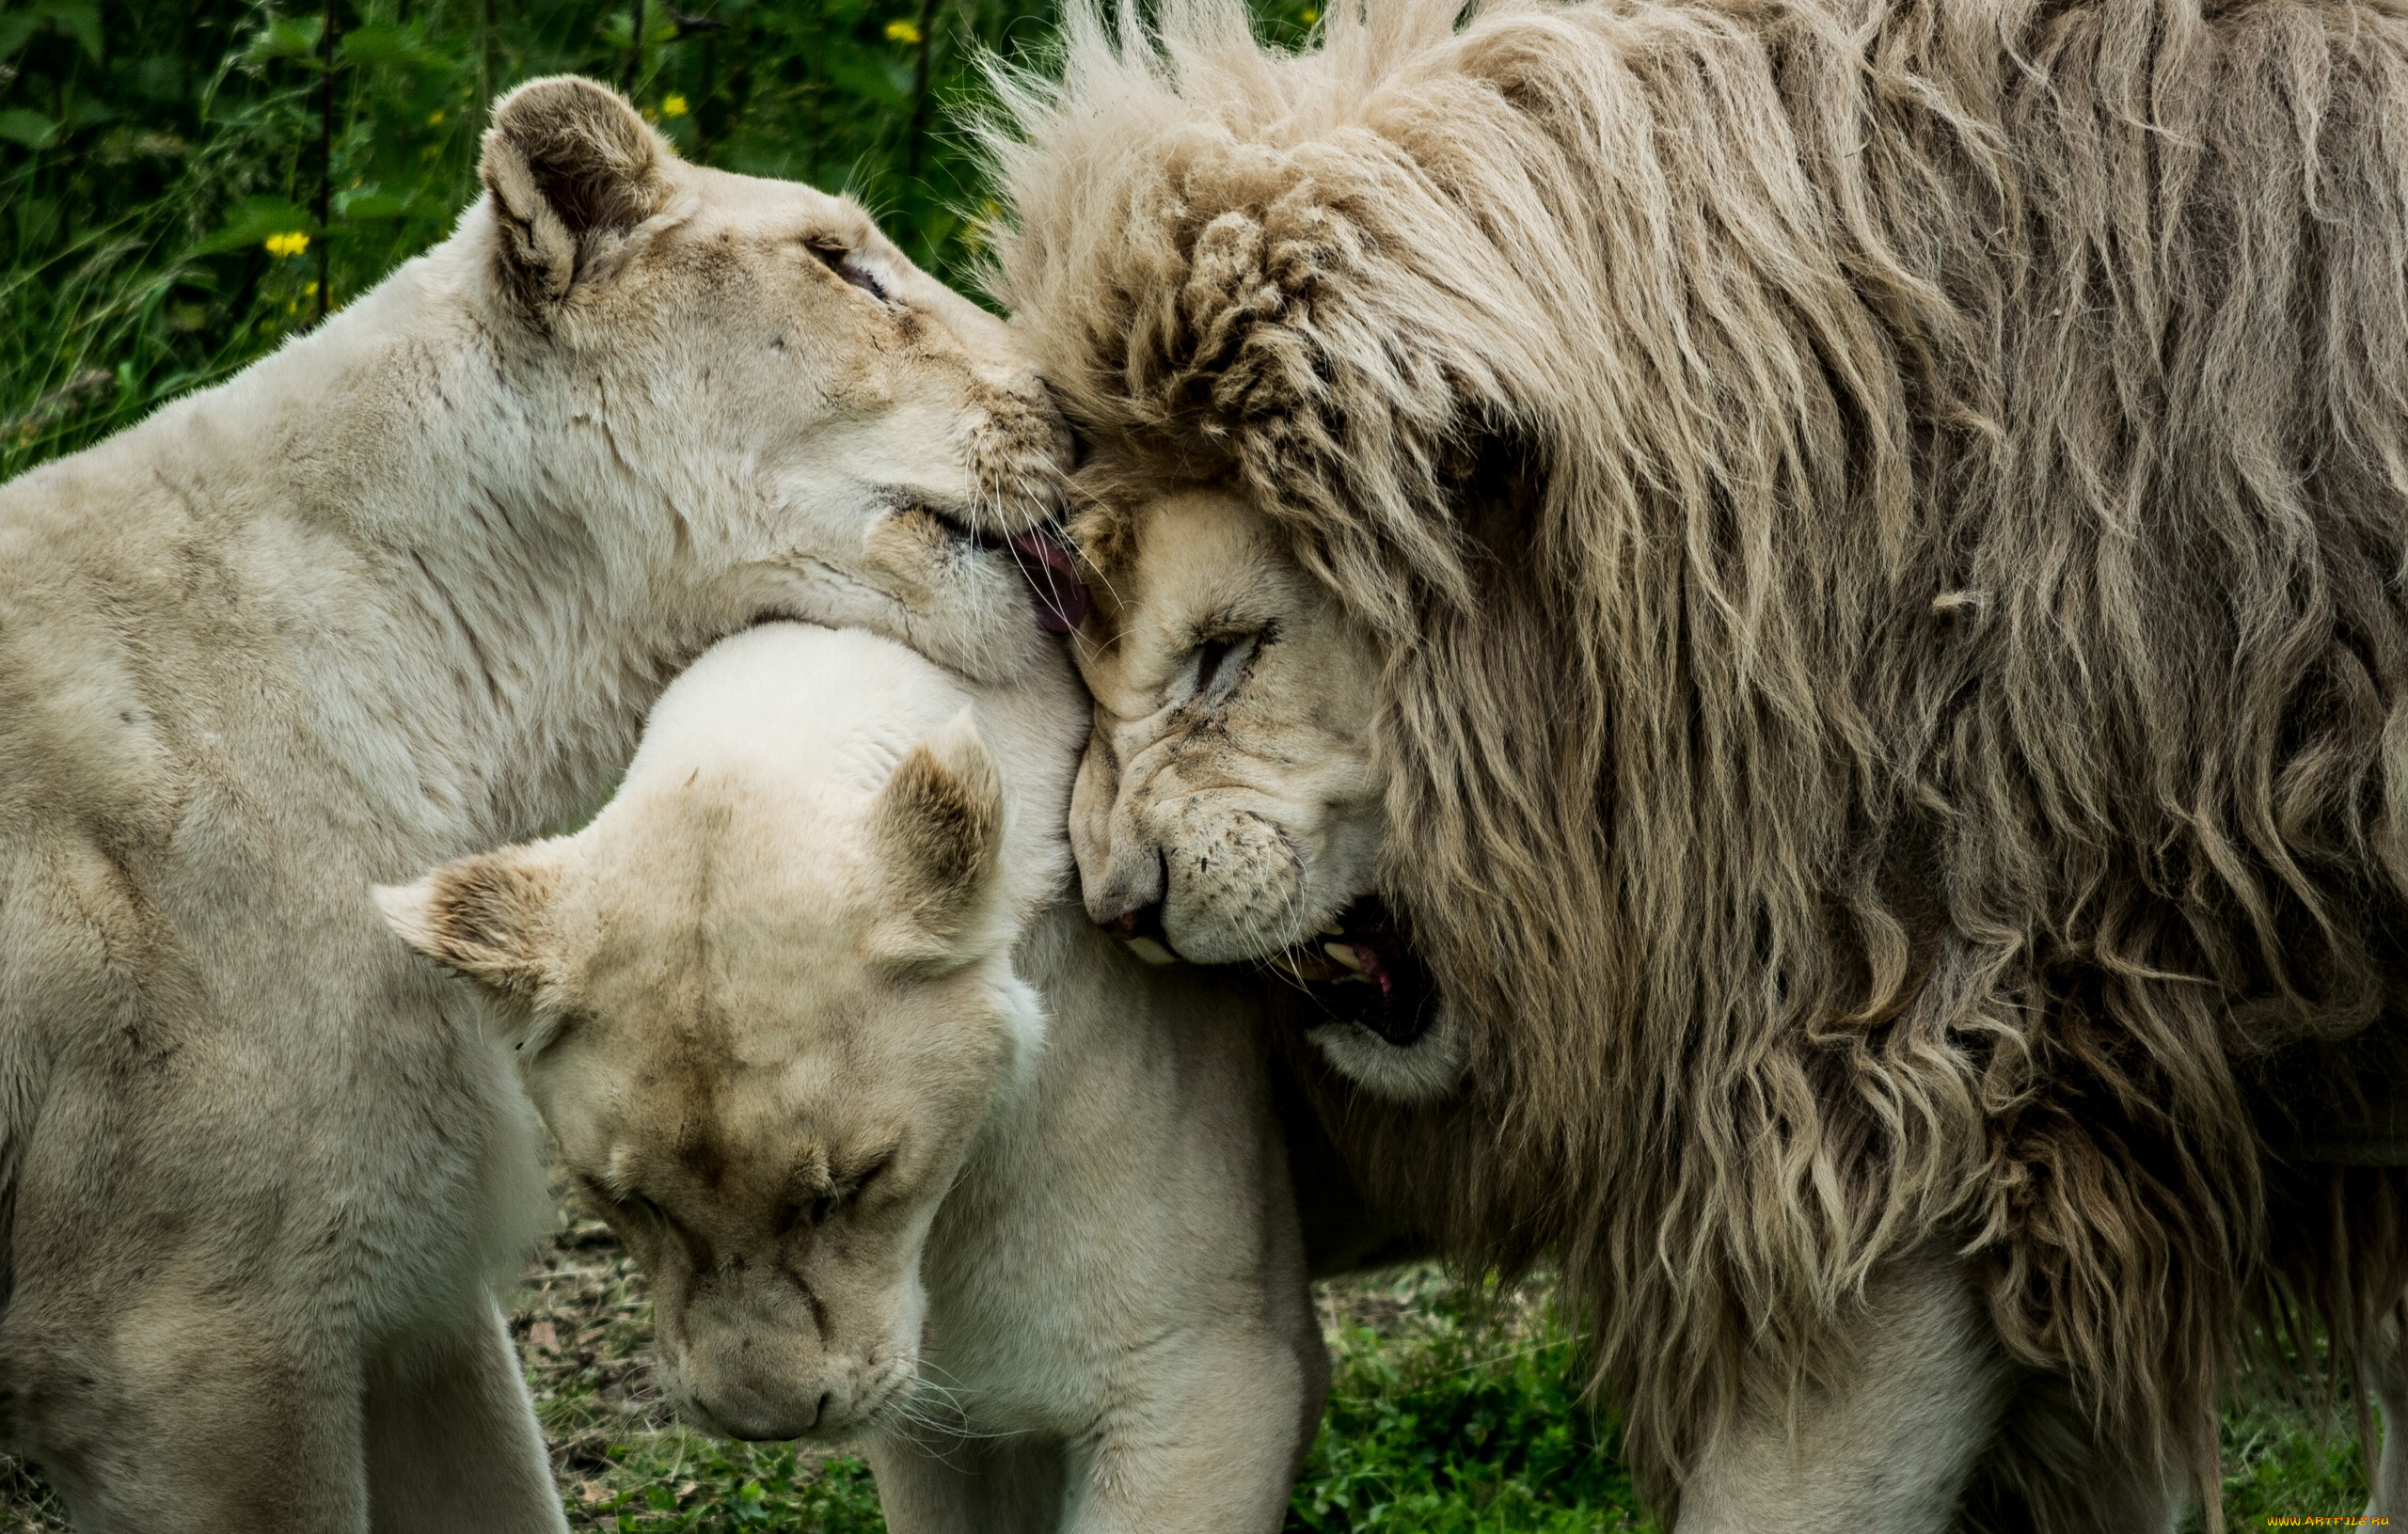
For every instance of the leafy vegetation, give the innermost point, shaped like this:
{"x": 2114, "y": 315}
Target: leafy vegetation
{"x": 1454, "y": 1411}
{"x": 184, "y": 182}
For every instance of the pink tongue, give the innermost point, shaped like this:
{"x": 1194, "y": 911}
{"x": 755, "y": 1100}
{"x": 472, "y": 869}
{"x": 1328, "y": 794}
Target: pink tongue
{"x": 1374, "y": 969}
{"x": 1053, "y": 580}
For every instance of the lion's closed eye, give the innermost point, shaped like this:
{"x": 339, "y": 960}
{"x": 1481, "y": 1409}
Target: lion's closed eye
{"x": 1219, "y": 664}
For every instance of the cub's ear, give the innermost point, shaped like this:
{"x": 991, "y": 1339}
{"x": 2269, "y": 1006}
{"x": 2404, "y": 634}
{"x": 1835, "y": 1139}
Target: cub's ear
{"x": 485, "y": 917}
{"x": 939, "y": 829}
{"x": 570, "y": 165}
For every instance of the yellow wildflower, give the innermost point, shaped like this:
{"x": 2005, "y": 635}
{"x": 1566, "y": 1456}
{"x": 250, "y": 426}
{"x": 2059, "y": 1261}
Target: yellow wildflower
{"x": 652, "y": 114}
{"x": 288, "y": 244}
{"x": 672, "y": 105}
{"x": 902, "y": 32}
{"x": 434, "y": 119}
{"x": 1310, "y": 15}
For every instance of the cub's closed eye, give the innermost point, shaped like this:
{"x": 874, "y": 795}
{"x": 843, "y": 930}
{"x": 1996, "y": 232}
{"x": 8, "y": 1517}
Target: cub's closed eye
{"x": 839, "y": 259}
{"x": 632, "y": 1203}
{"x": 868, "y": 1175}
{"x": 843, "y": 1195}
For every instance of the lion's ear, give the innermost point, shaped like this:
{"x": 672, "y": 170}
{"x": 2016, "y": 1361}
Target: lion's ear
{"x": 569, "y": 164}
{"x": 484, "y": 917}
{"x": 940, "y": 827}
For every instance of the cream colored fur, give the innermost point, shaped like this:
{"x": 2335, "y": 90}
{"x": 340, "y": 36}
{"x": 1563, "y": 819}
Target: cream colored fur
{"x": 1886, "y": 1439}
{"x": 403, "y": 589}
{"x": 1231, "y": 784}
{"x": 1876, "y": 527}
{"x": 2382, "y": 1374}
{"x": 787, "y": 1002}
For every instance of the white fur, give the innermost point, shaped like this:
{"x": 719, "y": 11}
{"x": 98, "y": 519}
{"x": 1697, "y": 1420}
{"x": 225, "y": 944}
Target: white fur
{"x": 402, "y": 590}
{"x": 1118, "y": 1330}
{"x": 1076, "y": 1300}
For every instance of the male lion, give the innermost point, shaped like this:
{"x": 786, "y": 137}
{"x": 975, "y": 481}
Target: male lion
{"x": 1789, "y": 612}
{"x": 828, "y": 1046}
{"x": 401, "y": 591}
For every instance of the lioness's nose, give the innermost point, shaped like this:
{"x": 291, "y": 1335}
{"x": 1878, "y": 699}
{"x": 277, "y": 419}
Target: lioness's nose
{"x": 1129, "y": 905}
{"x": 1144, "y": 922}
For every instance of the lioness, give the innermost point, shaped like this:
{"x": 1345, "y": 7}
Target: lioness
{"x": 767, "y": 1000}
{"x": 403, "y": 589}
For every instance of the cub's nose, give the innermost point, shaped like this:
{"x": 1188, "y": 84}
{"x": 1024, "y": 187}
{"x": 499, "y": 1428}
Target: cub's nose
{"x": 757, "y": 1419}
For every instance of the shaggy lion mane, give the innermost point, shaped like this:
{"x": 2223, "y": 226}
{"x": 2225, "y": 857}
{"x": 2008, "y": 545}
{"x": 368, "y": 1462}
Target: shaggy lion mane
{"x": 1885, "y": 520}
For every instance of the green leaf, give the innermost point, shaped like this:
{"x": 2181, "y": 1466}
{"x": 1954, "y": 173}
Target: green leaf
{"x": 387, "y": 44}
{"x": 77, "y": 19}
{"x": 80, "y": 19}
{"x": 31, "y": 129}
{"x": 89, "y": 111}
{"x": 288, "y": 38}
{"x": 376, "y": 205}
{"x": 885, "y": 81}
{"x": 254, "y": 219}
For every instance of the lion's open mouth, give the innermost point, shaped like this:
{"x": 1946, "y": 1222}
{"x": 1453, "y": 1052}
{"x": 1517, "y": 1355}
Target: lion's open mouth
{"x": 1360, "y": 969}
{"x": 1053, "y": 576}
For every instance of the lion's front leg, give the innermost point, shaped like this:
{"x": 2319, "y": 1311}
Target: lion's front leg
{"x": 930, "y": 1481}
{"x": 453, "y": 1447}
{"x": 1206, "y": 1440}
{"x": 2385, "y": 1379}
{"x": 1887, "y": 1446}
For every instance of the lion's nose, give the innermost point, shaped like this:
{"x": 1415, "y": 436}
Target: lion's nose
{"x": 1133, "y": 881}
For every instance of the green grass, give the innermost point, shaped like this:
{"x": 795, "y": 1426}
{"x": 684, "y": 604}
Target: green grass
{"x": 1456, "y": 1413}
{"x": 1451, "y": 1412}
{"x": 2287, "y": 1458}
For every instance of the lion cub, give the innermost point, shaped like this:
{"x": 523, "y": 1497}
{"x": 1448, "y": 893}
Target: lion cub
{"x": 909, "y": 1151}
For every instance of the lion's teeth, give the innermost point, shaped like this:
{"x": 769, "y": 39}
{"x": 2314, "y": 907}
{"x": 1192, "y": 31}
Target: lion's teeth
{"x": 1333, "y": 930}
{"x": 1151, "y": 951}
{"x": 1345, "y": 955}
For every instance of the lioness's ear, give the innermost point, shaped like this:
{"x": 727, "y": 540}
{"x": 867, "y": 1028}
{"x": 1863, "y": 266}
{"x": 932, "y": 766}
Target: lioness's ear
{"x": 940, "y": 824}
{"x": 483, "y": 916}
{"x": 569, "y": 164}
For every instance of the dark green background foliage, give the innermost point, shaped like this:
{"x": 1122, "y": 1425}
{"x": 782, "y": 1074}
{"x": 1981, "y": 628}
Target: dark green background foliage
{"x": 148, "y": 150}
